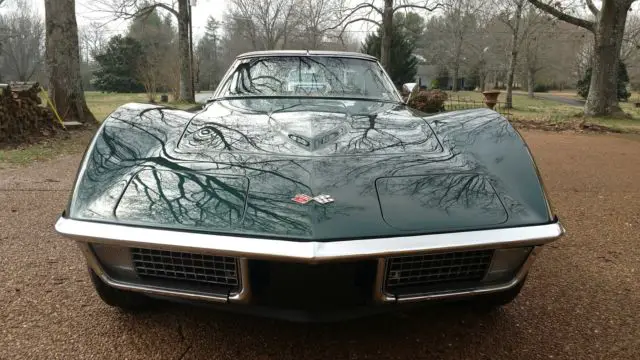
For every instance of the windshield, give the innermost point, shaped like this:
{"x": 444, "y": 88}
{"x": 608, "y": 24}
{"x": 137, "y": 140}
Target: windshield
{"x": 313, "y": 76}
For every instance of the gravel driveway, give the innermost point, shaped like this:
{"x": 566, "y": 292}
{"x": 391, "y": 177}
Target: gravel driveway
{"x": 582, "y": 299}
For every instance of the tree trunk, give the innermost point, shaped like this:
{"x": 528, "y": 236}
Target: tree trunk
{"x": 63, "y": 61}
{"x": 608, "y": 30}
{"x": 387, "y": 29}
{"x": 603, "y": 89}
{"x": 192, "y": 69}
{"x": 456, "y": 64}
{"x": 513, "y": 59}
{"x": 530, "y": 81}
{"x": 186, "y": 93}
{"x": 456, "y": 73}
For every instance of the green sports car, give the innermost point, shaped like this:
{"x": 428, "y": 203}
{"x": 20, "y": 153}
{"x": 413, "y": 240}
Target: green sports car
{"x": 306, "y": 189}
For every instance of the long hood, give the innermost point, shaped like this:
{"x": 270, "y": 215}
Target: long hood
{"x": 235, "y": 167}
{"x": 307, "y": 128}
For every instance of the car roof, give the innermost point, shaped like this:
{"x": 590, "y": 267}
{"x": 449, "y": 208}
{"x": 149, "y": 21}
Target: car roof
{"x": 306, "y": 53}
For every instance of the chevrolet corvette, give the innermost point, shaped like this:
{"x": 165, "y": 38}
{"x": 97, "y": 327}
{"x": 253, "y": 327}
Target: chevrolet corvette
{"x": 307, "y": 189}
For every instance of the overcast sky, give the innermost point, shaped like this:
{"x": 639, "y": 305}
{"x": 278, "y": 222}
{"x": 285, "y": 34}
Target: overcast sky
{"x": 85, "y": 13}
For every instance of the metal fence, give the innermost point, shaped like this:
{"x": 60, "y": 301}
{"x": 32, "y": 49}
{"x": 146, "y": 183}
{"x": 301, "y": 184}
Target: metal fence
{"x": 457, "y": 102}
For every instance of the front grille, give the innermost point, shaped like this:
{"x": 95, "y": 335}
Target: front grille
{"x": 180, "y": 268}
{"x": 432, "y": 272}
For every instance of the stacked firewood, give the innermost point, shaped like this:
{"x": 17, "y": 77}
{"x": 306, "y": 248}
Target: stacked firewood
{"x": 22, "y": 114}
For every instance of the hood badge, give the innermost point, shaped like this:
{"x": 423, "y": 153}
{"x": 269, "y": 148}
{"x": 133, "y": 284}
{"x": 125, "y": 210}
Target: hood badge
{"x": 320, "y": 199}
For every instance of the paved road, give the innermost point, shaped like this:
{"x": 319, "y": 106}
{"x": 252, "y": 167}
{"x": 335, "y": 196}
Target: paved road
{"x": 557, "y": 98}
{"x": 582, "y": 300}
{"x": 562, "y": 99}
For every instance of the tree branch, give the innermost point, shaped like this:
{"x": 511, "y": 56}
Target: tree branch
{"x": 423, "y": 7}
{"x": 589, "y": 25}
{"x": 356, "y": 20}
{"x": 365, "y": 5}
{"x": 353, "y": 11}
{"x": 504, "y": 18}
{"x": 122, "y": 13}
{"x": 592, "y": 7}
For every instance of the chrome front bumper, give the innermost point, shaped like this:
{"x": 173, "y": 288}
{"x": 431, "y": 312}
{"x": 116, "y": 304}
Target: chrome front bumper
{"x": 86, "y": 232}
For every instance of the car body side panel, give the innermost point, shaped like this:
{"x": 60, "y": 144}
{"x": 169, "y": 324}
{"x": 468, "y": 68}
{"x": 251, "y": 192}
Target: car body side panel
{"x": 234, "y": 167}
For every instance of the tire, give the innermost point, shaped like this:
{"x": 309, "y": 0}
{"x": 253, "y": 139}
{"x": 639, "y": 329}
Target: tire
{"x": 127, "y": 301}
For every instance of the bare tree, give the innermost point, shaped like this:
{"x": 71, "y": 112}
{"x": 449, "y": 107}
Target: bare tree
{"x": 608, "y": 29}
{"x": 524, "y": 23}
{"x": 460, "y": 22}
{"x": 149, "y": 73}
{"x": 535, "y": 32}
{"x": 582, "y": 59}
{"x": 630, "y": 54}
{"x": 63, "y": 61}
{"x": 446, "y": 38}
{"x": 23, "y": 46}
{"x": 511, "y": 15}
{"x": 92, "y": 40}
{"x": 157, "y": 38}
{"x": 631, "y": 39}
{"x": 534, "y": 62}
{"x": 234, "y": 39}
{"x": 282, "y": 24}
{"x": 2, "y": 35}
{"x": 172, "y": 66}
{"x": 129, "y": 9}
{"x": 150, "y": 69}
{"x": 207, "y": 58}
{"x": 266, "y": 24}
{"x": 319, "y": 16}
{"x": 382, "y": 16}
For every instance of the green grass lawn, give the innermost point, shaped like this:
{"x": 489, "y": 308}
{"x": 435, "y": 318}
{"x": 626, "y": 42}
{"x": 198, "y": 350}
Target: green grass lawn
{"x": 524, "y": 108}
{"x": 635, "y": 95}
{"x": 550, "y": 111}
{"x": 46, "y": 149}
{"x": 102, "y": 104}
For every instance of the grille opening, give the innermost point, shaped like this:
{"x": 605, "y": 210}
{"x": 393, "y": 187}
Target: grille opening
{"x": 183, "y": 270}
{"x": 419, "y": 274}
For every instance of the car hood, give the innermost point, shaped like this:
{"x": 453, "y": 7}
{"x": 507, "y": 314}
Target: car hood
{"x": 235, "y": 167}
{"x": 309, "y": 128}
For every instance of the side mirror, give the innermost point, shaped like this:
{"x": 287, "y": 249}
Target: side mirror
{"x": 410, "y": 87}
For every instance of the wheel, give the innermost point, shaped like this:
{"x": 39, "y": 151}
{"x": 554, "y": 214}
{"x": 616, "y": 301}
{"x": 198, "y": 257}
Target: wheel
{"x": 128, "y": 301}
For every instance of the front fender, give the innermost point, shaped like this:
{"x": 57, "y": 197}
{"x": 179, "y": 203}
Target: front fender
{"x": 127, "y": 138}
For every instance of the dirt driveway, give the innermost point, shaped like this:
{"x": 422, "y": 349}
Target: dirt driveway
{"x": 553, "y": 97}
{"x": 582, "y": 299}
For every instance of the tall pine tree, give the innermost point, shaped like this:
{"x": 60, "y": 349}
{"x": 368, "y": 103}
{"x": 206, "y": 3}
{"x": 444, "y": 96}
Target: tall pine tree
{"x": 117, "y": 64}
{"x": 208, "y": 55}
{"x": 158, "y": 68}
